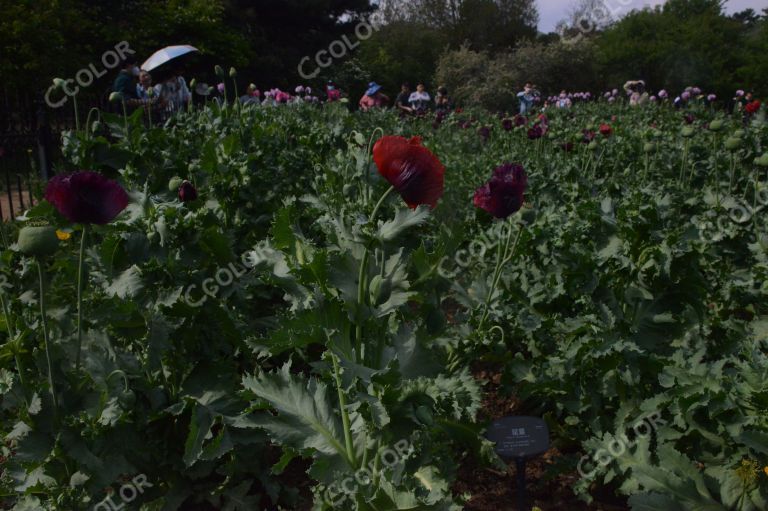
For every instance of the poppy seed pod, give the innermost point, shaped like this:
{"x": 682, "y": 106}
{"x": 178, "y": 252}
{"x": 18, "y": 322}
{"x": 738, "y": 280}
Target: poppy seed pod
{"x": 687, "y": 132}
{"x": 762, "y": 161}
{"x": 38, "y": 240}
{"x": 716, "y": 125}
{"x": 174, "y": 183}
{"x": 59, "y": 83}
{"x": 733, "y": 143}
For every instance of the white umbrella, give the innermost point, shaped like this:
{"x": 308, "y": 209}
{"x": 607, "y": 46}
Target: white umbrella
{"x": 166, "y": 55}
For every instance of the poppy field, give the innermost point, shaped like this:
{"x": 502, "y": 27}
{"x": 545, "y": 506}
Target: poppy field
{"x": 306, "y": 308}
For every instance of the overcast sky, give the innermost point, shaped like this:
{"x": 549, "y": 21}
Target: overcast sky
{"x": 552, "y": 11}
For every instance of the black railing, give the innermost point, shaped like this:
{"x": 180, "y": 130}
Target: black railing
{"x": 29, "y": 150}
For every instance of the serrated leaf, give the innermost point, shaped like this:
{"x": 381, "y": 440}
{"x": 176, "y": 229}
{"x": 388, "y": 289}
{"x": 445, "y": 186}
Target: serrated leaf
{"x": 404, "y": 220}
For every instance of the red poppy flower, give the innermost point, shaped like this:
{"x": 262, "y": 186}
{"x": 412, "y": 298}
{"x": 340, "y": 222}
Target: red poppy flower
{"x": 416, "y": 173}
{"x": 503, "y": 194}
{"x": 606, "y": 130}
{"x": 86, "y": 197}
{"x": 752, "y": 107}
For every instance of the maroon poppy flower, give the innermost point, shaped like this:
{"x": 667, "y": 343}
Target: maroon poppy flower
{"x": 503, "y": 194}
{"x": 484, "y": 132}
{"x": 589, "y": 136}
{"x": 520, "y": 120}
{"x": 507, "y": 124}
{"x": 606, "y": 130}
{"x": 535, "y": 133}
{"x": 86, "y": 197}
{"x": 689, "y": 118}
{"x": 187, "y": 192}
{"x": 416, "y": 173}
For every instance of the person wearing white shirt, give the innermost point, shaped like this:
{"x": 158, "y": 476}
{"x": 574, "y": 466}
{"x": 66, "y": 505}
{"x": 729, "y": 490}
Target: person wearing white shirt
{"x": 420, "y": 100}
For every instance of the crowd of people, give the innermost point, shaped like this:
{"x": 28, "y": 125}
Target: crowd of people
{"x": 135, "y": 87}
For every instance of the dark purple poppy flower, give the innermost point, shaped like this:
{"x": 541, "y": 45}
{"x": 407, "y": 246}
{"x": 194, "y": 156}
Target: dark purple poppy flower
{"x": 86, "y": 197}
{"x": 589, "y": 136}
{"x": 465, "y": 124}
{"x": 689, "y": 118}
{"x": 535, "y": 133}
{"x": 503, "y": 194}
{"x": 507, "y": 124}
{"x": 520, "y": 120}
{"x": 187, "y": 192}
{"x": 484, "y": 132}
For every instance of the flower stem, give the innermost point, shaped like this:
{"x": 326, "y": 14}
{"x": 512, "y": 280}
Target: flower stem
{"x": 13, "y": 338}
{"x": 44, "y": 323}
{"x": 362, "y": 281}
{"x": 351, "y": 456}
{"x": 77, "y": 114}
{"x": 80, "y": 297}
{"x": 500, "y": 262}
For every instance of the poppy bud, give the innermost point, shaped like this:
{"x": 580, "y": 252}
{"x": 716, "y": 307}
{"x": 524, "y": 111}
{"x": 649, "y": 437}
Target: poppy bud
{"x": 232, "y": 72}
{"x": 592, "y": 145}
{"x": 96, "y": 127}
{"x": 187, "y": 192}
{"x": 219, "y": 71}
{"x": 733, "y": 143}
{"x": 649, "y": 147}
{"x": 192, "y": 83}
{"x": 739, "y": 133}
{"x": 687, "y": 132}
{"x": 716, "y": 125}
{"x": 424, "y": 415}
{"x": 762, "y": 161}
{"x": 38, "y": 240}
{"x": 59, "y": 83}
{"x": 115, "y": 97}
{"x": 174, "y": 184}
{"x": 381, "y": 289}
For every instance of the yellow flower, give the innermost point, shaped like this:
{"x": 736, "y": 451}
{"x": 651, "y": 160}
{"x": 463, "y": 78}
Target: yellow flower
{"x": 765, "y": 469}
{"x": 63, "y": 235}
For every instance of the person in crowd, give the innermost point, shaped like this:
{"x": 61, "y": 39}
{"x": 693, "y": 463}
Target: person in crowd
{"x": 401, "y": 102}
{"x": 174, "y": 92}
{"x": 563, "y": 101}
{"x": 332, "y": 92}
{"x": 125, "y": 82}
{"x": 251, "y": 96}
{"x": 144, "y": 89}
{"x": 420, "y": 100}
{"x": 527, "y": 98}
{"x": 442, "y": 100}
{"x": 373, "y": 98}
{"x": 636, "y": 91}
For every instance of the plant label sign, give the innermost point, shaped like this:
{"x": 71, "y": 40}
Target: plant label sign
{"x": 519, "y": 437}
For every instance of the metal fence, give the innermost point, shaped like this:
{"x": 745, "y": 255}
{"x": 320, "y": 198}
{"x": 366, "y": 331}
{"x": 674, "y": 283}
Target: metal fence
{"x": 29, "y": 145}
